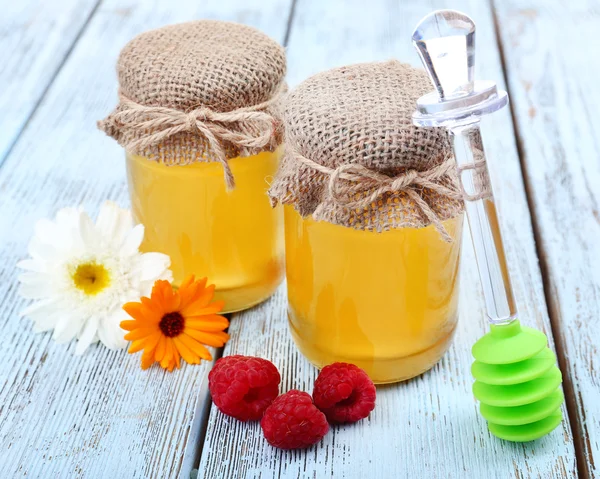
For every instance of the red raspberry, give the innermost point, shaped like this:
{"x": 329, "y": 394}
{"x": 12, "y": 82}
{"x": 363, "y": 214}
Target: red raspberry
{"x": 344, "y": 392}
{"x": 243, "y": 386}
{"x": 293, "y": 421}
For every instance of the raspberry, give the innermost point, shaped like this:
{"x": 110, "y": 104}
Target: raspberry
{"x": 243, "y": 386}
{"x": 293, "y": 421}
{"x": 344, "y": 393}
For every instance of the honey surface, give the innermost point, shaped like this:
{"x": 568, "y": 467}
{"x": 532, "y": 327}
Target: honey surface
{"x": 234, "y": 238}
{"x": 384, "y": 301}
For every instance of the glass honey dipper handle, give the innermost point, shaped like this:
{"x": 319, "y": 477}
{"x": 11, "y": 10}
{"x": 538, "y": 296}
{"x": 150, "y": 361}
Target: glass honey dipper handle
{"x": 483, "y": 223}
{"x": 445, "y": 41}
{"x": 516, "y": 378}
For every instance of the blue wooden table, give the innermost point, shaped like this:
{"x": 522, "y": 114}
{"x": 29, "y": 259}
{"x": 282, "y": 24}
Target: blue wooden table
{"x": 101, "y": 416}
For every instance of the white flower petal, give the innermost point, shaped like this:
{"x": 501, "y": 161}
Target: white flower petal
{"x": 64, "y": 235}
{"x": 89, "y": 235}
{"x": 87, "y": 335}
{"x": 67, "y": 328}
{"x": 32, "y": 265}
{"x": 68, "y": 218}
{"x": 107, "y": 218}
{"x": 110, "y": 332}
{"x": 45, "y": 230}
{"x": 38, "y": 249}
{"x": 145, "y": 287}
{"x": 167, "y": 276}
{"x": 132, "y": 241}
{"x": 36, "y": 286}
{"x": 31, "y": 277}
{"x": 42, "y": 327}
{"x": 44, "y": 314}
{"x": 47, "y": 322}
{"x": 113, "y": 222}
{"x": 41, "y": 308}
{"x": 152, "y": 265}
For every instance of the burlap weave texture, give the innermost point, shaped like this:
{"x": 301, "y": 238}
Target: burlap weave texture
{"x": 198, "y": 91}
{"x": 354, "y": 158}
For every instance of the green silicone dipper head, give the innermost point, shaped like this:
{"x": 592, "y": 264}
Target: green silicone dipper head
{"x": 517, "y": 382}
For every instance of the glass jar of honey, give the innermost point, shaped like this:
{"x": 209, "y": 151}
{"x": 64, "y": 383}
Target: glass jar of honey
{"x": 197, "y": 118}
{"x": 373, "y": 221}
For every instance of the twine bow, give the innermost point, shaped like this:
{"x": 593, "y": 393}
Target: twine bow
{"x": 248, "y": 127}
{"x": 356, "y": 186}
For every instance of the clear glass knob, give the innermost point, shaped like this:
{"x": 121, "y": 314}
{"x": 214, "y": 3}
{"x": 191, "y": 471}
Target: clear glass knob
{"x": 445, "y": 40}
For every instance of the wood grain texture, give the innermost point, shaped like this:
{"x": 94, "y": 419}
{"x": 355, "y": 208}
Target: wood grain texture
{"x": 36, "y": 36}
{"x": 553, "y": 80}
{"x": 429, "y": 426}
{"x": 99, "y": 415}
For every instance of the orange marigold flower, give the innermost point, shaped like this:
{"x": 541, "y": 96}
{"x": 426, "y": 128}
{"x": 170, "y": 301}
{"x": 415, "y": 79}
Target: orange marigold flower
{"x": 171, "y": 325}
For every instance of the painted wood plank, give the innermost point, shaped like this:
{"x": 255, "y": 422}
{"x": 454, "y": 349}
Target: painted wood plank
{"x": 429, "y": 426}
{"x": 99, "y": 415}
{"x": 36, "y": 36}
{"x": 553, "y": 77}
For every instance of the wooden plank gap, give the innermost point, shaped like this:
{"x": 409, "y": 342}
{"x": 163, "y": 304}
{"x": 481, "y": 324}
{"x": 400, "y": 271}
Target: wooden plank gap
{"x": 51, "y": 80}
{"x": 203, "y": 414}
{"x": 550, "y": 299}
{"x": 290, "y": 22}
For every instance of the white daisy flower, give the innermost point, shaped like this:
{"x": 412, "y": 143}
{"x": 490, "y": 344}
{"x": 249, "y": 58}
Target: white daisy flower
{"x": 82, "y": 273}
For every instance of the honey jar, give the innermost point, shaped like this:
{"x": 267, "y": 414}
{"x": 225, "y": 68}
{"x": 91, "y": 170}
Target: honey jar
{"x": 197, "y": 118}
{"x": 373, "y": 221}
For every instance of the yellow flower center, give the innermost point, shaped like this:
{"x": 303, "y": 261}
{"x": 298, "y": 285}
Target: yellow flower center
{"x": 91, "y": 278}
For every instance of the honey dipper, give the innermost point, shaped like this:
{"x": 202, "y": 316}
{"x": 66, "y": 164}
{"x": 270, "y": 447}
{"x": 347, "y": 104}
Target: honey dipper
{"x": 516, "y": 378}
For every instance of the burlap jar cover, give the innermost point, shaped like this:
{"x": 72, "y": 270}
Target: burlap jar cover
{"x": 354, "y": 158}
{"x": 198, "y": 92}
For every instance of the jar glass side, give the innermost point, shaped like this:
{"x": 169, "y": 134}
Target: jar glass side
{"x": 233, "y": 237}
{"x": 387, "y": 302}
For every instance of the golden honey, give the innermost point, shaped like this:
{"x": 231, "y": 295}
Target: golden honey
{"x": 232, "y": 237}
{"x": 386, "y": 302}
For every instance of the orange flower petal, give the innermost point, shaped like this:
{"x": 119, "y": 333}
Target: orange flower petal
{"x": 189, "y": 294}
{"x": 161, "y": 348}
{"x": 187, "y": 282}
{"x": 159, "y": 288}
{"x": 172, "y": 300}
{"x": 152, "y": 310}
{"x": 136, "y": 346}
{"x": 129, "y": 324}
{"x": 173, "y": 303}
{"x": 207, "y": 295}
{"x": 210, "y": 322}
{"x": 216, "y": 339}
{"x": 176, "y": 357}
{"x": 134, "y": 310}
{"x": 147, "y": 359}
{"x": 167, "y": 358}
{"x": 197, "y": 310}
{"x": 204, "y": 353}
{"x": 152, "y": 341}
{"x": 200, "y": 301}
{"x": 163, "y": 295}
{"x": 186, "y": 353}
{"x": 195, "y": 346}
{"x": 186, "y": 295}
{"x": 201, "y": 289}
{"x": 140, "y": 333}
